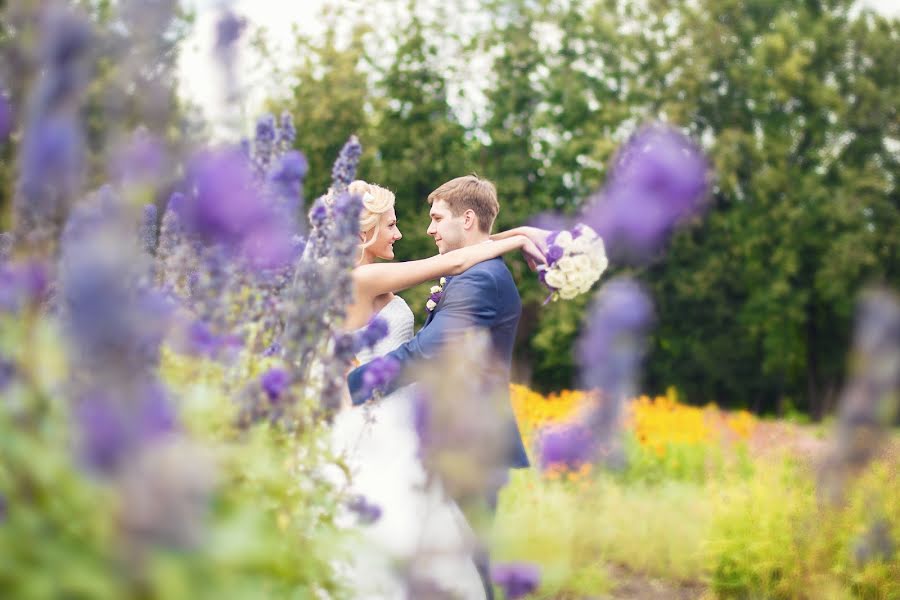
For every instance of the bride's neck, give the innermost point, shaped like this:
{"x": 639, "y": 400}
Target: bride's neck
{"x": 365, "y": 259}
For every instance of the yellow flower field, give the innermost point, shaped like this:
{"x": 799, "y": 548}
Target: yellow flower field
{"x": 656, "y": 423}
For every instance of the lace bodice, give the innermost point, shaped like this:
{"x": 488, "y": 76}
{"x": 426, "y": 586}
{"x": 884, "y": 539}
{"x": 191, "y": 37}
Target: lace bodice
{"x": 401, "y": 323}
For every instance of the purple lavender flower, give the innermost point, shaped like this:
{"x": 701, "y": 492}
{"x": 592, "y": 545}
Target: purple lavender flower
{"x": 274, "y": 382}
{"x": 367, "y": 512}
{"x": 7, "y": 373}
{"x": 52, "y": 150}
{"x": 110, "y": 429}
{"x": 612, "y": 346}
{"x": 287, "y": 133}
{"x": 421, "y": 416}
{"x": 517, "y": 579}
{"x": 22, "y": 284}
{"x": 344, "y": 169}
{"x": 104, "y": 433}
{"x": 156, "y": 415}
{"x": 610, "y": 352}
{"x": 290, "y": 169}
{"x": 318, "y": 214}
{"x": 141, "y": 160}
{"x": 229, "y": 28}
{"x": 272, "y": 350}
{"x": 6, "y": 117}
{"x": 226, "y": 205}
{"x": 375, "y": 331}
{"x": 570, "y": 445}
{"x": 6, "y": 245}
{"x": 658, "y": 179}
{"x": 148, "y": 229}
{"x": 382, "y": 371}
{"x": 200, "y": 340}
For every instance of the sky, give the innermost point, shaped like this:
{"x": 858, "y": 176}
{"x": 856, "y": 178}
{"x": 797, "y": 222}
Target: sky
{"x": 201, "y": 84}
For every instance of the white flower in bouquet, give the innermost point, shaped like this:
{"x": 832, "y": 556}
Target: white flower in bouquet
{"x": 575, "y": 261}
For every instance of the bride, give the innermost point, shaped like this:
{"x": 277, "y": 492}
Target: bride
{"x": 417, "y": 533}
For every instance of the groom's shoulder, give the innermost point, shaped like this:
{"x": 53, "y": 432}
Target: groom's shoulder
{"x": 493, "y": 268}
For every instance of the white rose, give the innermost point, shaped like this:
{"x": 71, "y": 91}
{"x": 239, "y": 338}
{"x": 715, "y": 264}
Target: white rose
{"x": 586, "y": 232}
{"x": 563, "y": 239}
{"x": 443, "y": 281}
{"x": 430, "y": 304}
{"x": 568, "y": 292}
{"x": 599, "y": 262}
{"x": 582, "y": 263}
{"x": 581, "y": 245}
{"x": 566, "y": 264}
{"x": 435, "y": 289}
{"x": 555, "y": 278}
{"x": 575, "y": 279}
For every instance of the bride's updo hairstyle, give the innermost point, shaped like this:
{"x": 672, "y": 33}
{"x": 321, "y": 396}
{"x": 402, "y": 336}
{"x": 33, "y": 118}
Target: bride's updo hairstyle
{"x": 376, "y": 201}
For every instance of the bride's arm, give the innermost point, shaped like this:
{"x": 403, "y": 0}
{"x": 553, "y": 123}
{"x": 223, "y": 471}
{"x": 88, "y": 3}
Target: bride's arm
{"x": 379, "y": 278}
{"x": 537, "y": 235}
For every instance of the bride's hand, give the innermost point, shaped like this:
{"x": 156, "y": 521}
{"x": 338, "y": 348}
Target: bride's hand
{"x": 536, "y": 235}
{"x": 533, "y": 255}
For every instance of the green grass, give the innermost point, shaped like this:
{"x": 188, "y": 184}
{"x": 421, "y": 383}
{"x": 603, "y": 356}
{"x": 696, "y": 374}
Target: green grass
{"x": 747, "y": 533}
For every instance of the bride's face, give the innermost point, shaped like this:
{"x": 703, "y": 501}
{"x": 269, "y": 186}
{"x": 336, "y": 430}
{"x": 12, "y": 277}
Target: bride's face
{"x": 386, "y": 233}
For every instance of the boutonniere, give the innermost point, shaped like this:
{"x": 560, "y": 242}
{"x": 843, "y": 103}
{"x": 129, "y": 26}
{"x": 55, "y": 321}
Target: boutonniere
{"x": 435, "y": 297}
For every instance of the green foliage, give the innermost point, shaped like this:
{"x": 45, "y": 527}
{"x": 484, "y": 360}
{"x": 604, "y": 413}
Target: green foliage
{"x": 771, "y": 538}
{"x": 268, "y": 530}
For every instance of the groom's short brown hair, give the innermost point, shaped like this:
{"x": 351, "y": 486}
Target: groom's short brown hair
{"x": 470, "y": 192}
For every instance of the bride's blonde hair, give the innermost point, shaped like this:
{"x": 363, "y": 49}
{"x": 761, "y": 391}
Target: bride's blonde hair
{"x": 376, "y": 201}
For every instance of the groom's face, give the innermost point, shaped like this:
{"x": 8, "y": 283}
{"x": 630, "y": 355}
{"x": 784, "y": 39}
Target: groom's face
{"x": 448, "y": 231}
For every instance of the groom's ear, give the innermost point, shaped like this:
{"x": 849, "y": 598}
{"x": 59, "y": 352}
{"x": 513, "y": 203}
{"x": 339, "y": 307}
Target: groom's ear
{"x": 470, "y": 219}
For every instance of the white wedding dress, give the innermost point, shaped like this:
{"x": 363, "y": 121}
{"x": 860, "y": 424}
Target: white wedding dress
{"x": 420, "y": 529}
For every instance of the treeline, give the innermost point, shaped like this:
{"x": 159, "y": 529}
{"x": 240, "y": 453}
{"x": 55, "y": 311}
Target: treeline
{"x": 794, "y": 101}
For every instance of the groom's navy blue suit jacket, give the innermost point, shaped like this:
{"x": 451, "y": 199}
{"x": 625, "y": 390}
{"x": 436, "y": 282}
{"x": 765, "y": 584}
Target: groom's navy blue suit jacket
{"x": 485, "y": 296}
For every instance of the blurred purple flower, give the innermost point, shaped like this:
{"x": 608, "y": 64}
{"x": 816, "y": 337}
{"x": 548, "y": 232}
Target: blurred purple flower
{"x": 142, "y": 160}
{"x": 658, "y": 179}
{"x": 52, "y": 147}
{"x": 104, "y": 434}
{"x": 570, "y": 445}
{"x": 6, "y": 118}
{"x": 318, "y": 214}
{"x": 148, "y": 229}
{"x": 272, "y": 350}
{"x": 200, "y": 340}
{"x": 287, "y": 133}
{"x": 110, "y": 429}
{"x": 517, "y": 579}
{"x": 6, "y": 245}
{"x": 229, "y": 28}
{"x": 612, "y": 346}
{"x": 375, "y": 331}
{"x": 7, "y": 373}
{"x": 265, "y": 129}
{"x": 274, "y": 382}
{"x": 381, "y": 372}
{"x": 22, "y": 284}
{"x": 367, "y": 512}
{"x": 421, "y": 416}
{"x": 226, "y": 204}
{"x": 156, "y": 415}
{"x": 610, "y": 352}
{"x": 290, "y": 169}
{"x": 344, "y": 169}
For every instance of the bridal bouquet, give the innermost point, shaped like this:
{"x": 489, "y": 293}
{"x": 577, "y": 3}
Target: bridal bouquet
{"x": 575, "y": 261}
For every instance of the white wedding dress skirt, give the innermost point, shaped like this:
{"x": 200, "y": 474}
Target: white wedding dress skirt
{"x": 420, "y": 529}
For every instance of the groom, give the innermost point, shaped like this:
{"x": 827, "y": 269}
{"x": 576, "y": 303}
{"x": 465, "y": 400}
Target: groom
{"x": 484, "y": 297}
